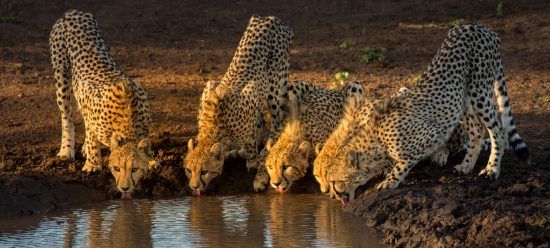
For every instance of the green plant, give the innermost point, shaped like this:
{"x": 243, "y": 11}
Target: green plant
{"x": 347, "y": 44}
{"x": 340, "y": 79}
{"x": 544, "y": 98}
{"x": 500, "y": 6}
{"x": 430, "y": 25}
{"x": 6, "y": 16}
{"x": 455, "y": 22}
{"x": 451, "y": 23}
{"x": 413, "y": 80}
{"x": 371, "y": 54}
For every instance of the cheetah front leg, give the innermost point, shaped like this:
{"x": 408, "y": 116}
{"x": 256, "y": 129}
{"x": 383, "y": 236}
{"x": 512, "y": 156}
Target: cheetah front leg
{"x": 249, "y": 153}
{"x": 398, "y": 174}
{"x": 262, "y": 177}
{"x": 93, "y": 153}
{"x": 66, "y": 151}
{"x": 64, "y": 95}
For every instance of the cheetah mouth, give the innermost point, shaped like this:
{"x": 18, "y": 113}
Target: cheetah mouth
{"x": 126, "y": 196}
{"x": 196, "y": 192}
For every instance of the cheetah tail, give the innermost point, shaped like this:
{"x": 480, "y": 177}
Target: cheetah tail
{"x": 511, "y": 134}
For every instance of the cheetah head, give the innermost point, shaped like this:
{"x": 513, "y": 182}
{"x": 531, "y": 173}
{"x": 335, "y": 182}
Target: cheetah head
{"x": 129, "y": 162}
{"x": 345, "y": 176}
{"x": 353, "y": 169}
{"x": 287, "y": 162}
{"x": 203, "y": 162}
{"x": 320, "y": 166}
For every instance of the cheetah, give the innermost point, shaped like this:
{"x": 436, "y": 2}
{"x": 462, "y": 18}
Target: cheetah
{"x": 114, "y": 107}
{"x": 324, "y": 163}
{"x": 229, "y": 110}
{"x": 313, "y": 113}
{"x": 352, "y": 157}
{"x": 461, "y": 80}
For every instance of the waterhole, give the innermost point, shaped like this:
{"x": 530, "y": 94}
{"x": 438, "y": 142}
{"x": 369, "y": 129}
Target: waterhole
{"x": 263, "y": 220}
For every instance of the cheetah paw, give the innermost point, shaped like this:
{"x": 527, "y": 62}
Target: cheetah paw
{"x": 260, "y": 182}
{"x": 153, "y": 164}
{"x": 89, "y": 167}
{"x": 490, "y": 173}
{"x": 66, "y": 154}
{"x": 440, "y": 157}
{"x": 84, "y": 151}
{"x": 251, "y": 165}
{"x": 463, "y": 168}
{"x": 387, "y": 185}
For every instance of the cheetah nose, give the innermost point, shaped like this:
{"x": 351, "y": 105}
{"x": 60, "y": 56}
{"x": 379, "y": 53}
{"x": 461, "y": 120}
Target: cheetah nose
{"x": 125, "y": 188}
{"x": 276, "y": 184}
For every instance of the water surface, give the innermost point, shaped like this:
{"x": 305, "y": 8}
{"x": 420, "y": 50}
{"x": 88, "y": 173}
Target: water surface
{"x": 263, "y": 220}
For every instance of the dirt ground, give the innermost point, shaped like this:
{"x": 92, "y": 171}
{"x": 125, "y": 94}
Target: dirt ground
{"x": 174, "y": 47}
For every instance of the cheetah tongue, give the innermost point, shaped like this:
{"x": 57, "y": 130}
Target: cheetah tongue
{"x": 126, "y": 195}
{"x": 196, "y": 192}
{"x": 279, "y": 190}
{"x": 345, "y": 201}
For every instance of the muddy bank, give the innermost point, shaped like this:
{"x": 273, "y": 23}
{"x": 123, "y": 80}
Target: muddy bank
{"x": 436, "y": 208}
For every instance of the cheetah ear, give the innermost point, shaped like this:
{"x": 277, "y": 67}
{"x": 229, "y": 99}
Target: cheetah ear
{"x": 402, "y": 91}
{"x": 191, "y": 144}
{"x": 121, "y": 86}
{"x": 269, "y": 144}
{"x": 115, "y": 143}
{"x": 212, "y": 84}
{"x": 217, "y": 150}
{"x": 304, "y": 148}
{"x": 318, "y": 148}
{"x": 145, "y": 146}
{"x": 353, "y": 158}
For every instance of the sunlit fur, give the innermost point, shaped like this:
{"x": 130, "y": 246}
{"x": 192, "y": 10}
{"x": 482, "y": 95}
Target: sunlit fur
{"x": 314, "y": 112}
{"x": 288, "y": 157}
{"x": 205, "y": 155}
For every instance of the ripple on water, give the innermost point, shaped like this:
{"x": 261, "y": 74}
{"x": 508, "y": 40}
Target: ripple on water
{"x": 270, "y": 220}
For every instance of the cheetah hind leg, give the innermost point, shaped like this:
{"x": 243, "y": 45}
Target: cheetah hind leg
{"x": 474, "y": 144}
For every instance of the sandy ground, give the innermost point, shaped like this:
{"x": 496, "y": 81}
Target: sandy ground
{"x": 174, "y": 47}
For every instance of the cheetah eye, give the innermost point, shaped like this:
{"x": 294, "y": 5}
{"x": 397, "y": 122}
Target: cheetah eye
{"x": 204, "y": 173}
{"x": 134, "y": 169}
{"x": 116, "y": 169}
